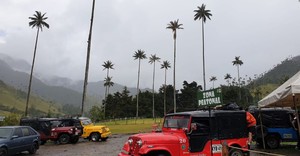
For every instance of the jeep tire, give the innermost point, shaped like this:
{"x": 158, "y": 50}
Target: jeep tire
{"x": 74, "y": 140}
{"x": 64, "y": 139}
{"x": 95, "y": 137}
{"x": 104, "y": 139}
{"x": 272, "y": 141}
{"x": 235, "y": 152}
{"x": 43, "y": 142}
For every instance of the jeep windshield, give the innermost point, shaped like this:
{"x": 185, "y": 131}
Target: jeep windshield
{"x": 86, "y": 122}
{"x": 176, "y": 121}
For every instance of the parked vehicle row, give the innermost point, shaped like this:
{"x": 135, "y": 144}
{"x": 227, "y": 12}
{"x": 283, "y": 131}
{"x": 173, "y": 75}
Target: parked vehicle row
{"x": 199, "y": 132}
{"x": 193, "y": 133}
{"x": 68, "y": 130}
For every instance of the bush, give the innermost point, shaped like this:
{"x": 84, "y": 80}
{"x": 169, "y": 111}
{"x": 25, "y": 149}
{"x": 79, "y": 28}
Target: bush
{"x": 10, "y": 120}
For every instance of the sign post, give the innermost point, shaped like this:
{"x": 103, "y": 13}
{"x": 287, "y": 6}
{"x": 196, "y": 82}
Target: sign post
{"x": 210, "y": 97}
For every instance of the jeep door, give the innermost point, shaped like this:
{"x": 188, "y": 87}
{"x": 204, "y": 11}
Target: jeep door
{"x": 200, "y": 135}
{"x": 45, "y": 127}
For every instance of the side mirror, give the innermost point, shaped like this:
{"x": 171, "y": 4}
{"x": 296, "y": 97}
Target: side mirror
{"x": 185, "y": 130}
{"x": 14, "y": 137}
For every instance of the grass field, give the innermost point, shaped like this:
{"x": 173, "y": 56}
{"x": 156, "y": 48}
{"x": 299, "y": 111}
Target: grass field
{"x": 130, "y": 126}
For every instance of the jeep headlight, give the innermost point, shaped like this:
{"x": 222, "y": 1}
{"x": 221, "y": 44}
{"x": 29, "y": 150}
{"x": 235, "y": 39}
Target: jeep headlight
{"x": 103, "y": 129}
{"x": 130, "y": 141}
{"x": 140, "y": 143}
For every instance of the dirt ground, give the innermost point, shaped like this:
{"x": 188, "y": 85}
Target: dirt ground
{"x": 111, "y": 147}
{"x": 114, "y": 145}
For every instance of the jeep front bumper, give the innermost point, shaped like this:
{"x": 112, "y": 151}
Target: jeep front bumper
{"x": 105, "y": 135}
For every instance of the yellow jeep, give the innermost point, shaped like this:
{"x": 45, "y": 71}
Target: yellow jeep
{"x": 92, "y": 132}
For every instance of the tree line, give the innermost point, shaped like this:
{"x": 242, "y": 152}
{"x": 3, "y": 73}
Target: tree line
{"x": 123, "y": 105}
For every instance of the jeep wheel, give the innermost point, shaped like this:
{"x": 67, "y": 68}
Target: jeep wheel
{"x": 95, "y": 137}
{"x": 235, "y": 152}
{"x": 33, "y": 148}
{"x": 104, "y": 139}
{"x": 74, "y": 140}
{"x": 43, "y": 142}
{"x": 272, "y": 141}
{"x": 157, "y": 153}
{"x": 64, "y": 138}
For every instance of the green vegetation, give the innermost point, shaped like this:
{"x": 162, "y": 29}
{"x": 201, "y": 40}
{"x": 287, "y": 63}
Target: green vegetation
{"x": 12, "y": 100}
{"x": 10, "y": 120}
{"x": 129, "y": 126}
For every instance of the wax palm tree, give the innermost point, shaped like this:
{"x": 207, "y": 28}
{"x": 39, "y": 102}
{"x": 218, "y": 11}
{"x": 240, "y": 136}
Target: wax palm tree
{"x": 87, "y": 59}
{"x": 213, "y": 79}
{"x": 37, "y": 21}
{"x": 152, "y": 60}
{"x": 237, "y": 62}
{"x": 165, "y": 65}
{"x": 228, "y": 78}
{"x": 107, "y": 65}
{"x": 174, "y": 25}
{"x": 108, "y": 83}
{"x": 203, "y": 14}
{"x": 139, "y": 54}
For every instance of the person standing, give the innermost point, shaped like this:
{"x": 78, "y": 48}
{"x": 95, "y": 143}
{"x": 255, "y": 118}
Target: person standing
{"x": 251, "y": 123}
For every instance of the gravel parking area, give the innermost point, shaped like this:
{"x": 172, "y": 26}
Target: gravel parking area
{"x": 114, "y": 145}
{"x": 111, "y": 147}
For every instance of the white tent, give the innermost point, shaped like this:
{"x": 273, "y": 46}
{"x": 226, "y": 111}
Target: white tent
{"x": 286, "y": 95}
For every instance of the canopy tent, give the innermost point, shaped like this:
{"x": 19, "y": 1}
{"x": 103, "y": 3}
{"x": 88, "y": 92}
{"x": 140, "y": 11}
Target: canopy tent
{"x": 286, "y": 95}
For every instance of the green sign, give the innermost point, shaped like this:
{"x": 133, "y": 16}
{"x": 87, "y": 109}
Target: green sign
{"x": 210, "y": 97}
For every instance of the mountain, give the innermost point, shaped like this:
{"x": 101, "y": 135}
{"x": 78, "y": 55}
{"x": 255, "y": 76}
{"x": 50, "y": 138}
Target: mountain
{"x": 281, "y": 72}
{"x": 55, "y": 89}
{"x": 16, "y": 64}
{"x": 13, "y": 101}
{"x": 20, "y": 80}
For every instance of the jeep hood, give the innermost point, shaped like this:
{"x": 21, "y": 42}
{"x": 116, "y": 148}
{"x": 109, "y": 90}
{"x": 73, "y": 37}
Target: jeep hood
{"x": 92, "y": 126}
{"x": 161, "y": 138}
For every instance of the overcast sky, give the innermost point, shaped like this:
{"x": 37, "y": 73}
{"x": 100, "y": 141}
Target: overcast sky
{"x": 261, "y": 32}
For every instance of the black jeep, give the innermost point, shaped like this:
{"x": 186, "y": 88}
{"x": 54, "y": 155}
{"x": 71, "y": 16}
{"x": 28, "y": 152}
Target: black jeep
{"x": 59, "y": 130}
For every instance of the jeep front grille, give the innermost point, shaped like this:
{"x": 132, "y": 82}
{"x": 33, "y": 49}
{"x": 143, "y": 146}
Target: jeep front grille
{"x": 134, "y": 147}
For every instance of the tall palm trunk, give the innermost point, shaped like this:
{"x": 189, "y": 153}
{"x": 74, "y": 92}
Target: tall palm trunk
{"x": 204, "y": 82}
{"x": 87, "y": 59}
{"x": 240, "y": 94}
{"x": 165, "y": 88}
{"x": 174, "y": 92}
{"x": 106, "y": 92}
{"x": 153, "y": 107}
{"x": 31, "y": 72}
{"x": 138, "y": 91}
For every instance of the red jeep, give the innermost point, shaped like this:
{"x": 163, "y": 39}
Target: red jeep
{"x": 196, "y": 133}
{"x": 53, "y": 129}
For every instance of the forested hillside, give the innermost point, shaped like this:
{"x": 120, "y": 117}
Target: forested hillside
{"x": 13, "y": 101}
{"x": 281, "y": 72}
